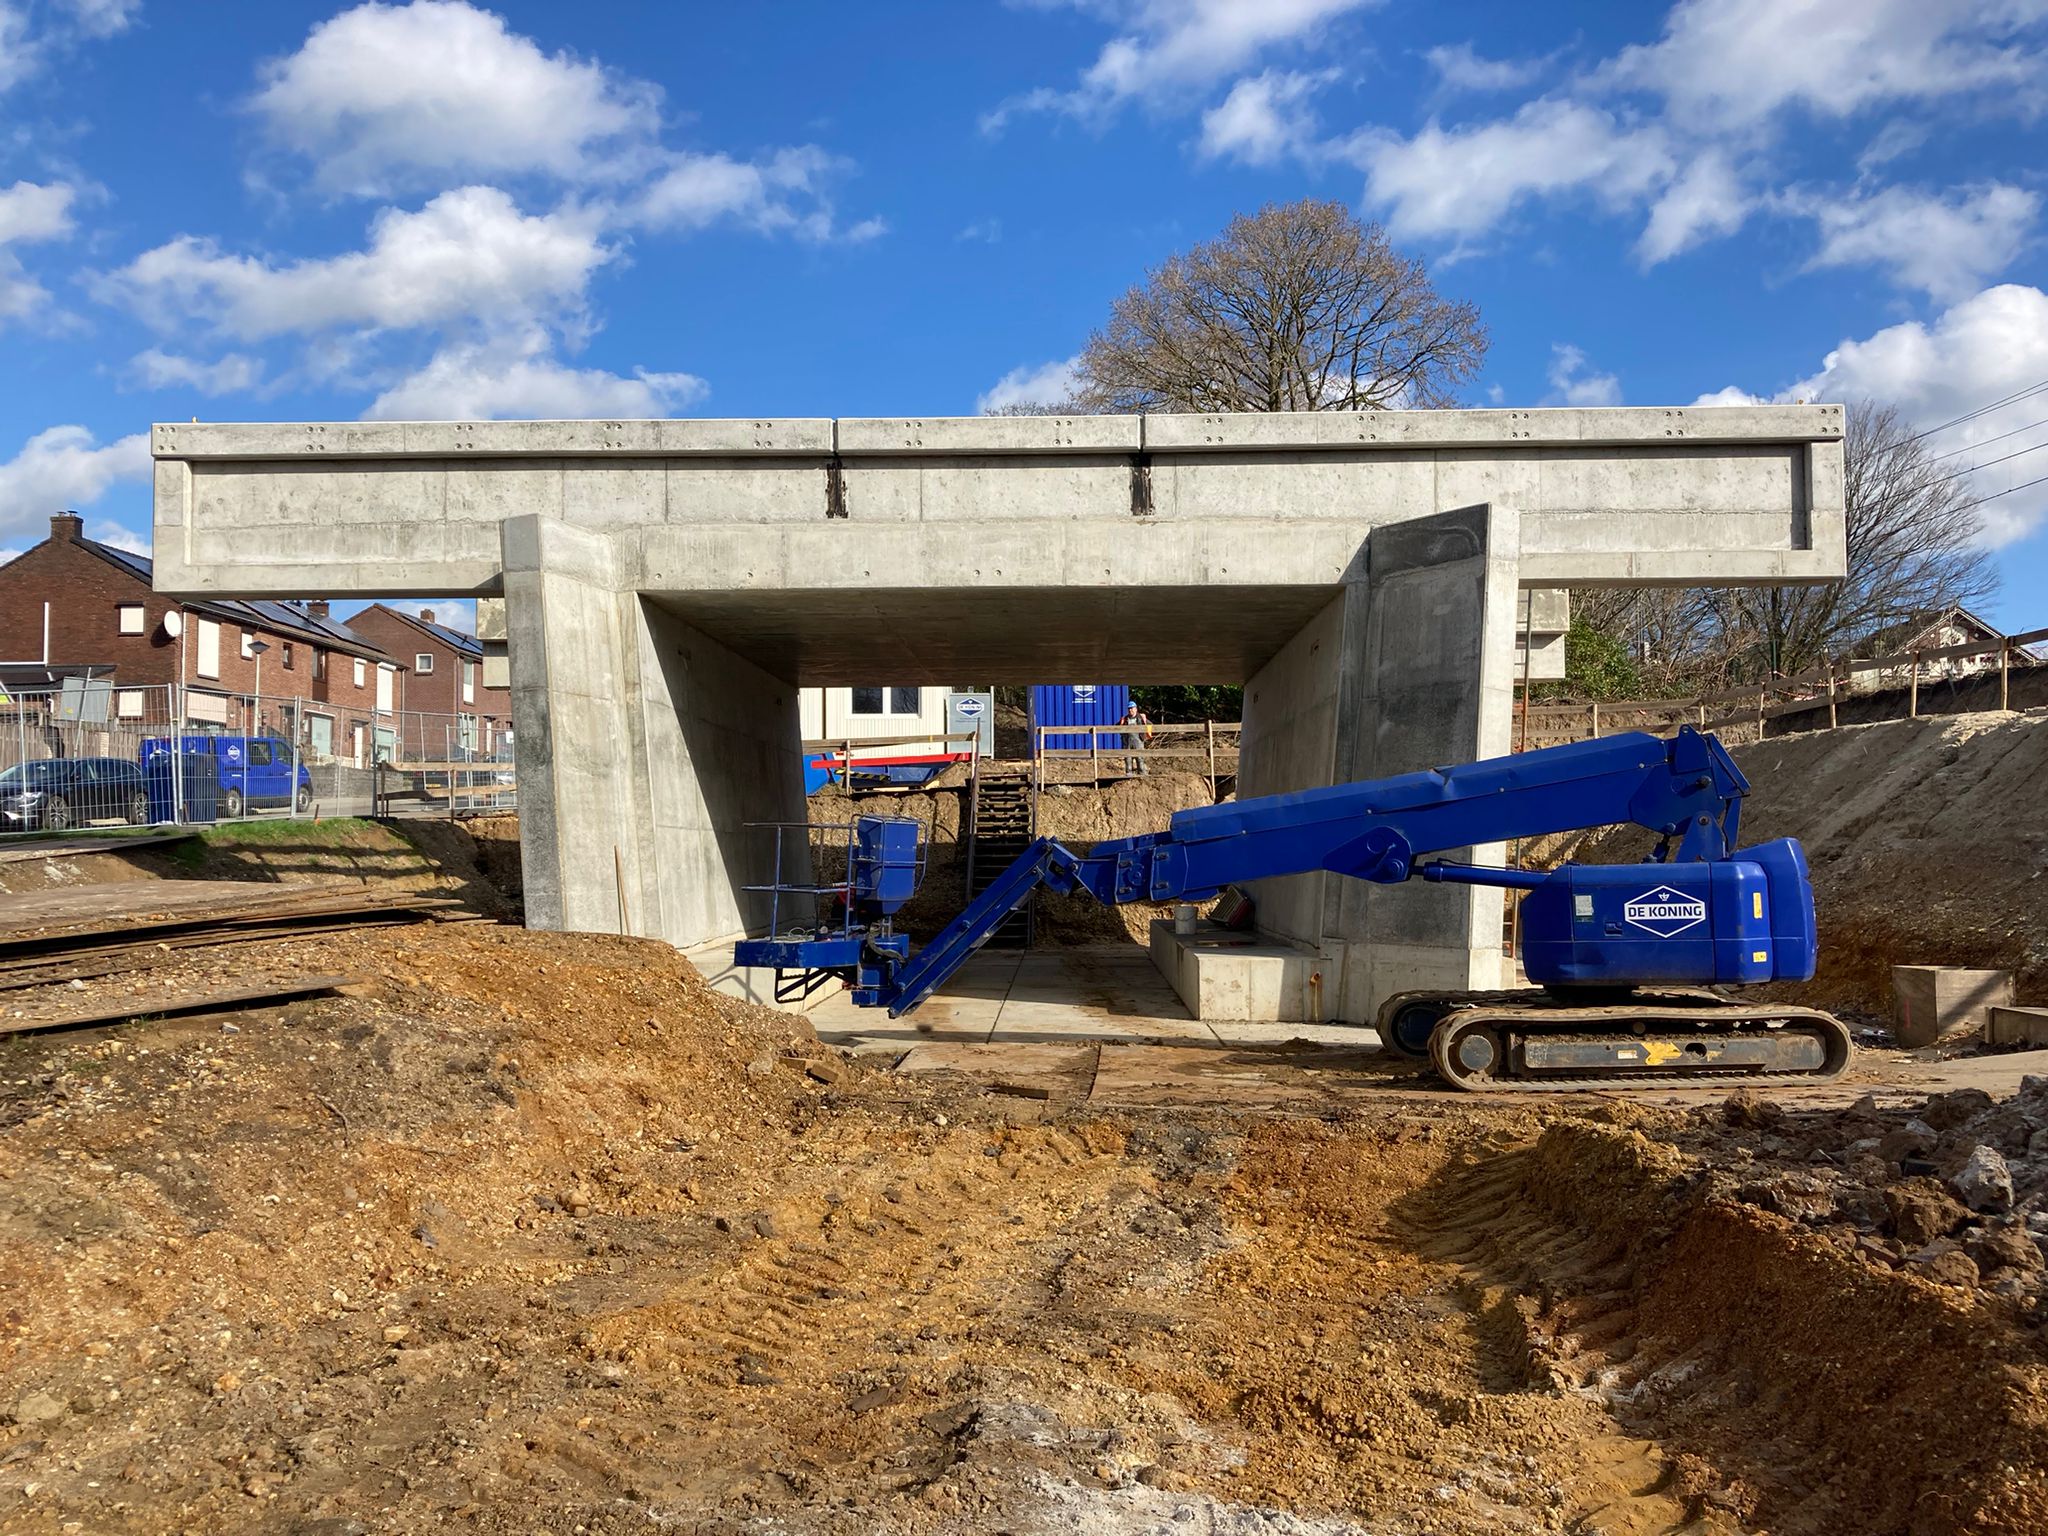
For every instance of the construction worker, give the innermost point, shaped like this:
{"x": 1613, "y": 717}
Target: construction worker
{"x": 1137, "y": 727}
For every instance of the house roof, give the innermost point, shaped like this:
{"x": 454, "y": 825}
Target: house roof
{"x": 277, "y": 618}
{"x": 464, "y": 645}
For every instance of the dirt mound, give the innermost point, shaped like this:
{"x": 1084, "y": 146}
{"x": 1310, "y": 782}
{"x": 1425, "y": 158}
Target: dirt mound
{"x": 1082, "y": 816}
{"x": 1753, "y": 1342}
{"x": 1928, "y": 841}
{"x": 1078, "y": 815}
{"x": 539, "y": 1234}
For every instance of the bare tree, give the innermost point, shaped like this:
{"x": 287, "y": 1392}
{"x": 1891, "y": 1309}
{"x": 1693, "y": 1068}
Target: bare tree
{"x": 1913, "y": 554}
{"x": 1299, "y": 307}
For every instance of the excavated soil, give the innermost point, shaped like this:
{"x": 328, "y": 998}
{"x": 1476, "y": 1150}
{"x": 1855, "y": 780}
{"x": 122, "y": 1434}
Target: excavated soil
{"x": 535, "y": 1233}
{"x": 1080, "y": 816}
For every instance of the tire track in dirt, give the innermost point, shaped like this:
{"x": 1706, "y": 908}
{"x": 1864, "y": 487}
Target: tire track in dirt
{"x": 1793, "y": 1386}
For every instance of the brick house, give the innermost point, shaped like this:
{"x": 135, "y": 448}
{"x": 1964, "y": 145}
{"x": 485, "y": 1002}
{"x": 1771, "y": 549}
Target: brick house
{"x": 1955, "y": 626}
{"x": 74, "y": 607}
{"x": 448, "y": 713}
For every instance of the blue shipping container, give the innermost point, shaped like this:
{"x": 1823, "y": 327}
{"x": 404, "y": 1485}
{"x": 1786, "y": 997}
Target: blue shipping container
{"x": 1077, "y": 704}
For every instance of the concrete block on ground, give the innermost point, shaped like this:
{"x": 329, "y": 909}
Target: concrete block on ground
{"x": 1931, "y": 1003}
{"x": 1219, "y": 973}
{"x": 2016, "y": 1026}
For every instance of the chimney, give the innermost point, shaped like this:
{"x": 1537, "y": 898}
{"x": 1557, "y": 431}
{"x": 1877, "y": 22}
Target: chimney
{"x": 317, "y": 607}
{"x": 67, "y": 528}
{"x": 427, "y": 615}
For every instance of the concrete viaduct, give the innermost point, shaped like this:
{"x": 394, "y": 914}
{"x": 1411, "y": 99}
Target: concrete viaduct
{"x": 670, "y": 584}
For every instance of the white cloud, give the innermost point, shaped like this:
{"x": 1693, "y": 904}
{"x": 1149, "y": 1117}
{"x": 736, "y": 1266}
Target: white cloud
{"x": 1706, "y": 201}
{"x": 1051, "y": 383}
{"x": 230, "y": 374}
{"x": 103, "y": 18}
{"x": 787, "y": 192}
{"x": 383, "y": 97}
{"x": 20, "y": 55}
{"x": 1174, "y": 46}
{"x": 28, "y": 212}
{"x": 1461, "y": 68}
{"x": 469, "y": 255}
{"x": 1732, "y": 394}
{"x": 987, "y": 231}
{"x": 1264, "y": 119}
{"x": 1731, "y": 64}
{"x": 118, "y": 536}
{"x": 479, "y": 382}
{"x": 60, "y": 468}
{"x": 1461, "y": 182}
{"x": 1896, "y": 138}
{"x": 1946, "y": 246}
{"x": 1988, "y": 346}
{"x": 1573, "y": 382}
{"x": 28, "y": 43}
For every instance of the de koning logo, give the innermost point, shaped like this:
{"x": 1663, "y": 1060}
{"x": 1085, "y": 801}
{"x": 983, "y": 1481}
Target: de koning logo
{"x": 1664, "y": 911}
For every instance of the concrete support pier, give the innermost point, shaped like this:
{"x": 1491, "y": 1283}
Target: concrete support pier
{"x": 668, "y": 585}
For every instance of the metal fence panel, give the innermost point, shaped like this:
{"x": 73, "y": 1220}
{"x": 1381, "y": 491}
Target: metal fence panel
{"x": 86, "y": 753}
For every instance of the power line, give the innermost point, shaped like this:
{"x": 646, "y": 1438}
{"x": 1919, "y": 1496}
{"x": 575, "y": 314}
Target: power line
{"x": 1936, "y": 458}
{"x": 2020, "y": 454}
{"x": 2040, "y": 480}
{"x": 2018, "y": 394}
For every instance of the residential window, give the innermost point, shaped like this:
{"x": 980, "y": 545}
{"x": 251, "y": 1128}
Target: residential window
{"x": 469, "y": 682}
{"x": 359, "y": 671}
{"x": 129, "y": 703}
{"x": 423, "y": 662}
{"x": 319, "y": 664}
{"x": 886, "y": 701}
{"x": 209, "y": 647}
{"x": 132, "y": 618}
{"x": 248, "y": 645}
{"x": 287, "y": 655}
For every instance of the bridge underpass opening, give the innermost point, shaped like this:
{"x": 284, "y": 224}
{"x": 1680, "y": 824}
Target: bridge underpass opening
{"x": 668, "y": 586}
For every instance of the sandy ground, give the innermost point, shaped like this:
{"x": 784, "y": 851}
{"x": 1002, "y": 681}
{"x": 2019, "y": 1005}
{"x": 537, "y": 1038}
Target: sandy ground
{"x": 535, "y": 1233}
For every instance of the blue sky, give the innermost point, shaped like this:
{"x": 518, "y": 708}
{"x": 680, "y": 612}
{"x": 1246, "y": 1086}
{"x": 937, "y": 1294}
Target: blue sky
{"x": 262, "y": 211}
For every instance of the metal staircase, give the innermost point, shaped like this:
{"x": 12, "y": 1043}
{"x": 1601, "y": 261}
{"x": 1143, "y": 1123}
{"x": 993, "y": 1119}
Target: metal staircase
{"x": 999, "y": 832}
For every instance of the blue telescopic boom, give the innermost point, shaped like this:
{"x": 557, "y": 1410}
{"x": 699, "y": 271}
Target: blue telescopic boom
{"x": 1687, "y": 790}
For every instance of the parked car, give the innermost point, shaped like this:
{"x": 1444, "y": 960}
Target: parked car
{"x": 64, "y": 792}
{"x": 254, "y": 771}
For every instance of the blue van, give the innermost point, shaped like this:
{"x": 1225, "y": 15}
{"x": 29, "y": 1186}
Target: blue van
{"x": 254, "y": 772}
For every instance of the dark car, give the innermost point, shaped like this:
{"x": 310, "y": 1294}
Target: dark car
{"x": 65, "y": 792}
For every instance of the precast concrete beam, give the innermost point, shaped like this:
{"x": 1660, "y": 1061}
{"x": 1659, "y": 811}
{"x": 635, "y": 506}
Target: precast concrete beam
{"x": 1623, "y": 495}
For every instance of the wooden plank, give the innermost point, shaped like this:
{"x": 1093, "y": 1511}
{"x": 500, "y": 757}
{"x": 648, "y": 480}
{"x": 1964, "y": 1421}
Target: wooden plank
{"x": 169, "y": 1003}
{"x": 74, "y": 936}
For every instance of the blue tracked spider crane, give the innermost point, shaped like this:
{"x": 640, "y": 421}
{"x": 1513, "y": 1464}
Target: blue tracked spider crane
{"x": 1626, "y": 959}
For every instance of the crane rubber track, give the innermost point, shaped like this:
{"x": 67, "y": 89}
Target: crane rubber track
{"x": 1432, "y": 1005}
{"x": 1705, "y": 1043}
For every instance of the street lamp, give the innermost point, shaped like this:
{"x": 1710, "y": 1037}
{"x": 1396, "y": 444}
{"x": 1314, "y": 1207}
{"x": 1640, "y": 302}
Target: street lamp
{"x": 256, "y": 649}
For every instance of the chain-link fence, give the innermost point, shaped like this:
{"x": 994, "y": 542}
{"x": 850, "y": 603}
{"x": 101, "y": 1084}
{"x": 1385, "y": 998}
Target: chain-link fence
{"x": 90, "y": 753}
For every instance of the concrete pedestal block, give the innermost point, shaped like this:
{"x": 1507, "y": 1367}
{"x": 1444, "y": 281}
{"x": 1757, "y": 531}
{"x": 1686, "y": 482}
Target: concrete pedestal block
{"x": 1220, "y": 973}
{"x": 2016, "y": 1026}
{"x": 1931, "y": 1003}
